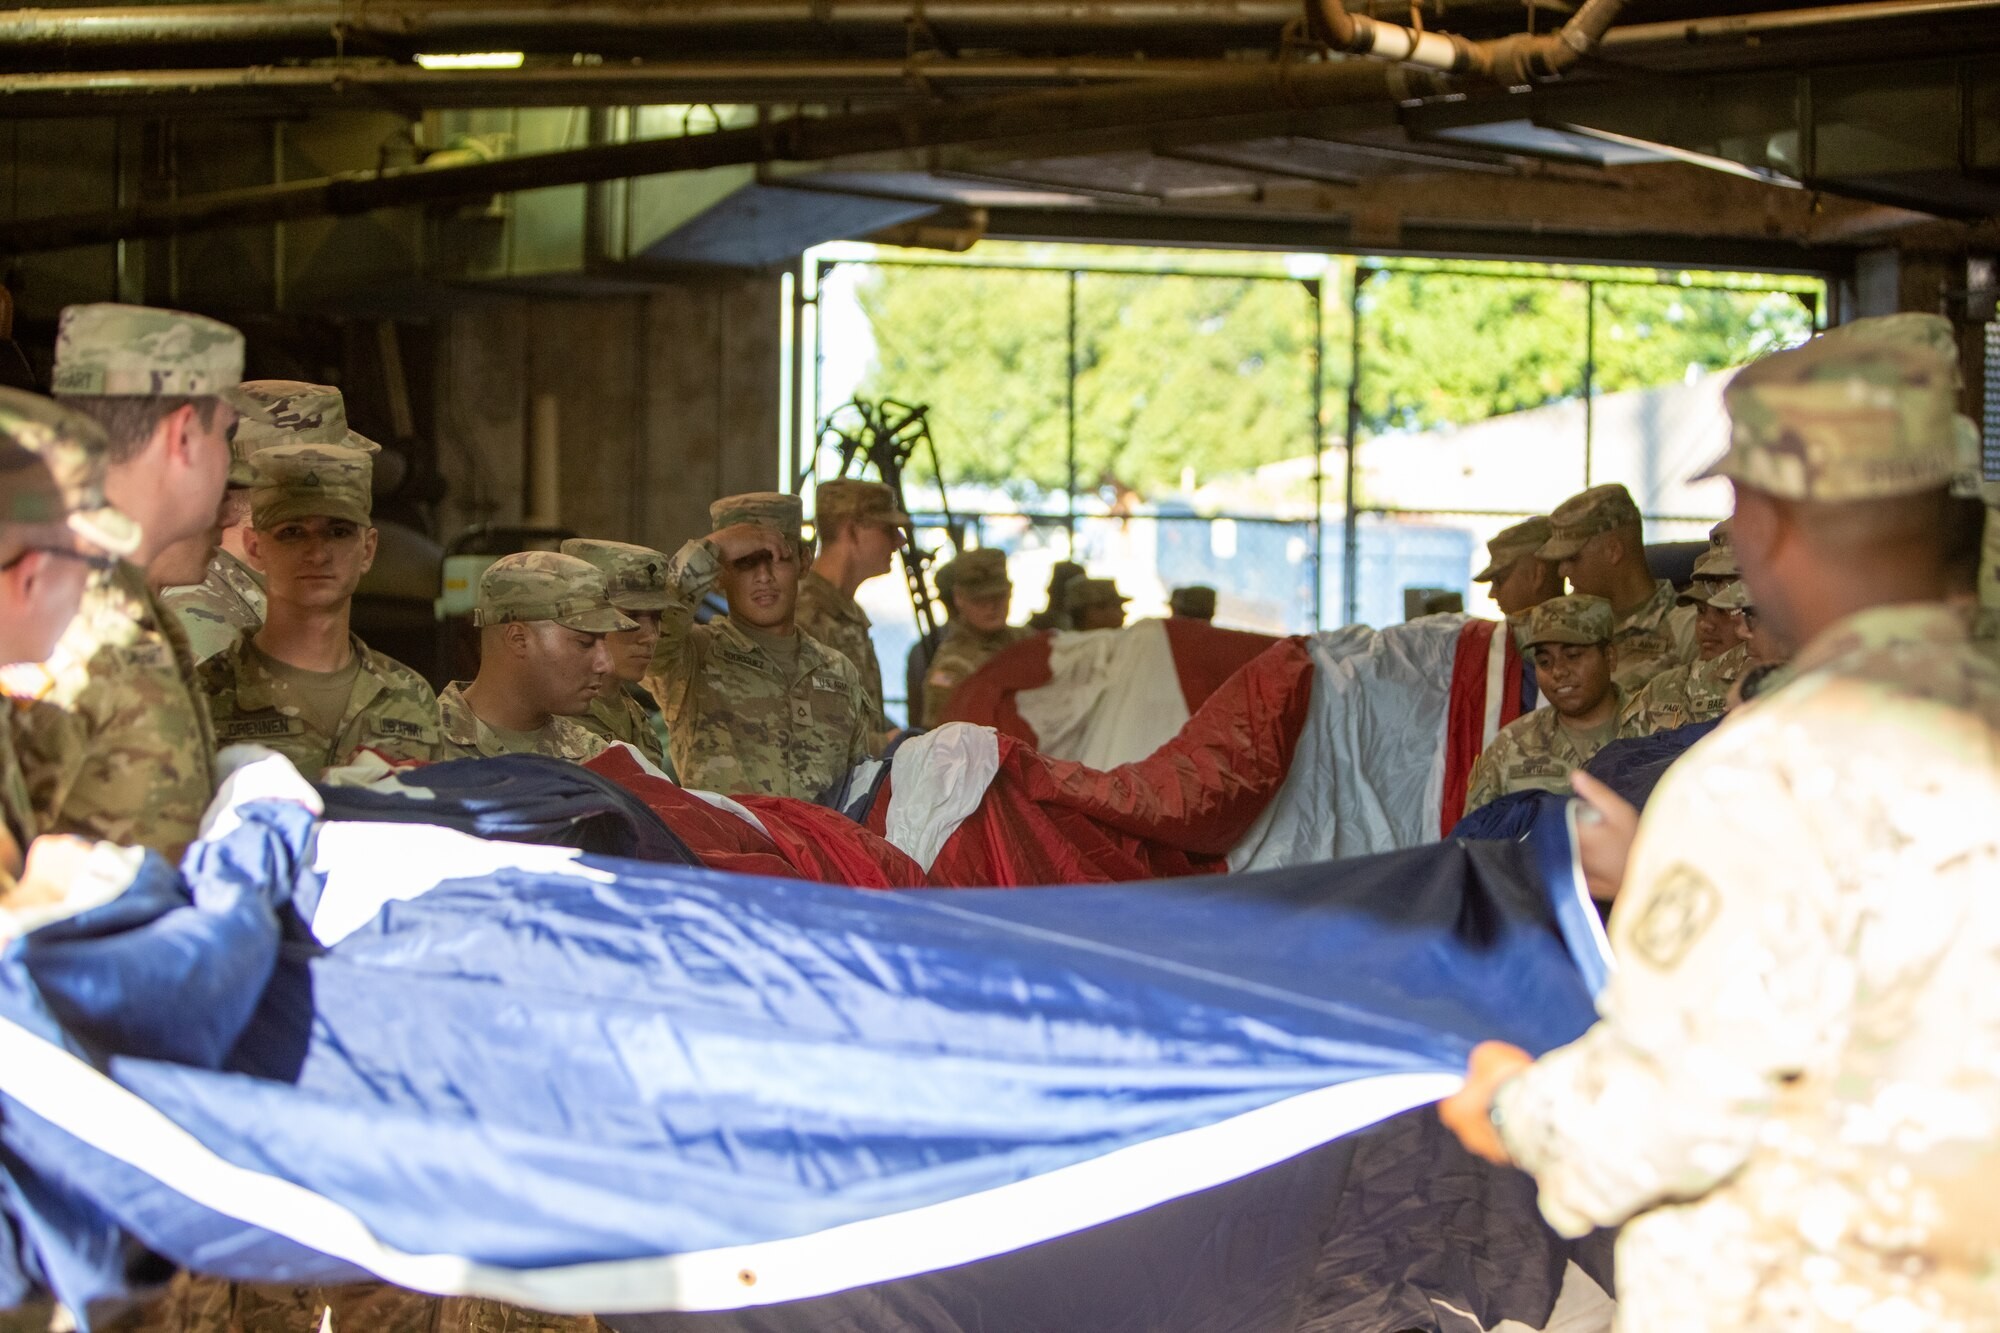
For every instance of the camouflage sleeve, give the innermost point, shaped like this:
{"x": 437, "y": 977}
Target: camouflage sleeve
{"x": 1680, "y": 628}
{"x": 868, "y": 738}
{"x": 691, "y": 574}
{"x": 1729, "y": 982}
{"x": 1483, "y": 787}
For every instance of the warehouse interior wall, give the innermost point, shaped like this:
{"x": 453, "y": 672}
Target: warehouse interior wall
{"x": 662, "y": 402}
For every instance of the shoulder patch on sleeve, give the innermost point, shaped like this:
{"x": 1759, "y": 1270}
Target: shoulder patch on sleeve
{"x": 1680, "y": 911}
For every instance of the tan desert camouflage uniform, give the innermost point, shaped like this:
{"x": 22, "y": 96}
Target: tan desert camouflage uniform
{"x": 637, "y": 578}
{"x": 980, "y": 573}
{"x": 1536, "y": 751}
{"x": 1794, "y": 1092}
{"x": 737, "y": 719}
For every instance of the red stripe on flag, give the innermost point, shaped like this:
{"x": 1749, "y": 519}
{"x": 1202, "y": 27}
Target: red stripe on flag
{"x": 986, "y": 697}
{"x": 1465, "y": 717}
{"x": 1205, "y": 656}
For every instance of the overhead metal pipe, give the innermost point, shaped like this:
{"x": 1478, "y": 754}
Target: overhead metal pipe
{"x": 157, "y": 91}
{"x": 325, "y": 27}
{"x": 1739, "y": 27}
{"x": 1517, "y": 59}
{"x": 1258, "y": 95}
{"x": 320, "y": 28}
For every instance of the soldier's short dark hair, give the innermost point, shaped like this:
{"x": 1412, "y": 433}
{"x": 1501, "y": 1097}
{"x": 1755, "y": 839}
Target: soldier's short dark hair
{"x": 128, "y": 420}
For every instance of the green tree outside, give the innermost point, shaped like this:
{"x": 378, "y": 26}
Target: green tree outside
{"x": 1213, "y": 375}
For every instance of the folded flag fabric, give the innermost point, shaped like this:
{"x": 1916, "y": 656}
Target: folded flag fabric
{"x": 1103, "y": 697}
{"x": 324, "y": 1048}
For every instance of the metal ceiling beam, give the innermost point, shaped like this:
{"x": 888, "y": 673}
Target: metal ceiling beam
{"x": 237, "y": 33}
{"x": 1260, "y": 231}
{"x": 321, "y": 27}
{"x": 1251, "y": 101}
{"x": 313, "y": 87}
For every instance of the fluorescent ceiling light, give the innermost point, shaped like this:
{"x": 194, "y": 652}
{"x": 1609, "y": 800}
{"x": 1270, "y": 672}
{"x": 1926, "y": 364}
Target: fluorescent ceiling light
{"x": 473, "y": 60}
{"x": 1691, "y": 157}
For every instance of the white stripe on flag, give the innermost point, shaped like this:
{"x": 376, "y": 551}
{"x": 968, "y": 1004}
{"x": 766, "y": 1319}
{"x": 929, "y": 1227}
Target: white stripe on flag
{"x": 1496, "y": 682}
{"x": 54, "y": 1084}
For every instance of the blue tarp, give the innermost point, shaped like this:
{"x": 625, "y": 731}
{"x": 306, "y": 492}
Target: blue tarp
{"x": 718, "y": 1091}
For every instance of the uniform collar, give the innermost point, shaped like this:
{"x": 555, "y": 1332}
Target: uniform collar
{"x": 257, "y": 688}
{"x": 839, "y": 603}
{"x": 1900, "y": 624}
{"x": 1652, "y": 611}
{"x": 811, "y": 656}
{"x": 983, "y": 636}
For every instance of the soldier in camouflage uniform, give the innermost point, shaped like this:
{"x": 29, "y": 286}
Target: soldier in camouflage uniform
{"x": 752, "y": 704}
{"x": 1569, "y": 639}
{"x": 1520, "y": 578}
{"x": 980, "y": 593}
{"x": 229, "y": 601}
{"x": 859, "y": 530}
{"x": 55, "y": 525}
{"x": 1093, "y": 603}
{"x": 1598, "y": 540}
{"x": 1053, "y": 616}
{"x": 304, "y": 684}
{"x": 1792, "y": 1102}
{"x": 637, "y": 576}
{"x": 1699, "y": 690}
{"x": 543, "y": 618}
{"x": 1196, "y": 601}
{"x": 115, "y": 738}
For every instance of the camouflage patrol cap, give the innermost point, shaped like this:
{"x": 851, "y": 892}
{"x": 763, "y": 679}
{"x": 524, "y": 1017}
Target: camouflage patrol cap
{"x": 52, "y": 472}
{"x": 1718, "y": 562}
{"x": 1576, "y": 618}
{"x": 106, "y": 350}
{"x": 765, "y": 509}
{"x": 981, "y": 573}
{"x": 1924, "y": 333}
{"x": 546, "y": 585}
{"x": 849, "y": 501}
{"x": 1841, "y": 419}
{"x": 1733, "y": 596}
{"x": 1510, "y": 544}
{"x": 1196, "y": 600}
{"x": 1083, "y": 591}
{"x": 294, "y": 412}
{"x": 1583, "y": 516}
{"x": 311, "y": 481}
{"x": 635, "y": 575}
{"x": 1722, "y": 537}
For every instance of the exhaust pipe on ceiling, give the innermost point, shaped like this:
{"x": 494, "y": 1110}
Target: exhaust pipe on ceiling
{"x": 1518, "y": 59}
